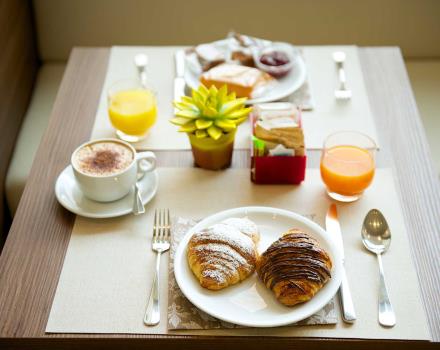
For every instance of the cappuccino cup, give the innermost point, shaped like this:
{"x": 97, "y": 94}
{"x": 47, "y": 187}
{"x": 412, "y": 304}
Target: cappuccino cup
{"x": 107, "y": 169}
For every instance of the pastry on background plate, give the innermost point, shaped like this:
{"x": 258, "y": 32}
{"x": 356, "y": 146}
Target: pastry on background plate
{"x": 244, "y": 81}
{"x": 222, "y": 255}
{"x": 294, "y": 267}
{"x": 209, "y": 56}
{"x": 243, "y": 57}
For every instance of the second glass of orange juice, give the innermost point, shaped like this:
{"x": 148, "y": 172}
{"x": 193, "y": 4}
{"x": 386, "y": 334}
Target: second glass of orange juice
{"x": 132, "y": 109}
{"x": 347, "y": 165}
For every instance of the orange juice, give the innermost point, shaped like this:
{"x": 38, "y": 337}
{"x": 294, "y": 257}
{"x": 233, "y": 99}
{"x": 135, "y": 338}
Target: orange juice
{"x": 347, "y": 170}
{"x": 133, "y": 111}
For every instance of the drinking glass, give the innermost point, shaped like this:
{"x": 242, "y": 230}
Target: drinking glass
{"x": 132, "y": 109}
{"x": 347, "y": 164}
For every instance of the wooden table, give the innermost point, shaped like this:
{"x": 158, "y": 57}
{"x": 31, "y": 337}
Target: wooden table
{"x": 33, "y": 255}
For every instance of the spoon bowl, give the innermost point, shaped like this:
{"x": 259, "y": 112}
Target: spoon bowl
{"x": 138, "y": 206}
{"x": 339, "y": 56}
{"x": 140, "y": 60}
{"x": 376, "y": 234}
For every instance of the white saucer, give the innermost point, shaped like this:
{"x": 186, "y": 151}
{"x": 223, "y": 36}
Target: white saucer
{"x": 70, "y": 196}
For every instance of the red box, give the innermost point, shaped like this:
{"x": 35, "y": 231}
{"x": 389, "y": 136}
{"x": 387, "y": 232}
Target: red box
{"x": 278, "y": 169}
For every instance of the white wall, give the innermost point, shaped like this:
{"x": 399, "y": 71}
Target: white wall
{"x": 414, "y": 25}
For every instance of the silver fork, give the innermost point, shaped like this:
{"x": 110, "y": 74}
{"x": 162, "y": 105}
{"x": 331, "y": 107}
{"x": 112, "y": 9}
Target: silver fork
{"x": 160, "y": 244}
{"x": 342, "y": 93}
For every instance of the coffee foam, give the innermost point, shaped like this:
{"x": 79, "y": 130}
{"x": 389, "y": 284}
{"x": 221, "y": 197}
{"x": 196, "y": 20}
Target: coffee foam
{"x": 103, "y": 158}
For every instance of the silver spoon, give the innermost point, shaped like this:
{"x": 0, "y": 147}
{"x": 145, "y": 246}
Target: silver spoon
{"x": 141, "y": 62}
{"x": 342, "y": 93}
{"x": 376, "y": 237}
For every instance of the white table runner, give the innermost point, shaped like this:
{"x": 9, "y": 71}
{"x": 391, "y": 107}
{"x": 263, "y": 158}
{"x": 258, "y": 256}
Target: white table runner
{"x": 107, "y": 272}
{"x": 327, "y": 116}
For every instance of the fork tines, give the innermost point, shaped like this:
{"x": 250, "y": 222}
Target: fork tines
{"x": 162, "y": 225}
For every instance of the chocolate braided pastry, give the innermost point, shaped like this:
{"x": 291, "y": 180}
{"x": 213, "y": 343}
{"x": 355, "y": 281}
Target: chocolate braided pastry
{"x": 294, "y": 267}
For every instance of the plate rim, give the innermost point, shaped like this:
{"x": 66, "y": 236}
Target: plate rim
{"x": 103, "y": 215}
{"x": 335, "y": 250}
{"x": 262, "y": 99}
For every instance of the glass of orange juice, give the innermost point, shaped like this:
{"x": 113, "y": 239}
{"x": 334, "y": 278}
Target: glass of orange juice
{"x": 347, "y": 164}
{"x": 132, "y": 109}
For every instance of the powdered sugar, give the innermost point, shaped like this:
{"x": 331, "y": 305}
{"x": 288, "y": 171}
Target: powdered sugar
{"x": 212, "y": 251}
{"x": 216, "y": 275}
{"x": 246, "y": 226}
{"x": 228, "y": 235}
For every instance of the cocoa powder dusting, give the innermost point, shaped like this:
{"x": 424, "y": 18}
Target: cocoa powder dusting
{"x": 105, "y": 160}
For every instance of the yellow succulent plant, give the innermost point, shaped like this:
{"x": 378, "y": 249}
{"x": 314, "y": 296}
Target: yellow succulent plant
{"x": 210, "y": 112}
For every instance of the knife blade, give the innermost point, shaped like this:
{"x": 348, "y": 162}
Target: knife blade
{"x": 333, "y": 227}
{"x": 179, "y": 81}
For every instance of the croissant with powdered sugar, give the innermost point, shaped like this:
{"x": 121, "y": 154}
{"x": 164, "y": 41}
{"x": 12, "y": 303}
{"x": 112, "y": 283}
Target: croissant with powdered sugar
{"x": 223, "y": 254}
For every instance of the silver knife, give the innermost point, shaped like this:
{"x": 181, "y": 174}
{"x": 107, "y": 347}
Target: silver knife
{"x": 179, "y": 81}
{"x": 333, "y": 227}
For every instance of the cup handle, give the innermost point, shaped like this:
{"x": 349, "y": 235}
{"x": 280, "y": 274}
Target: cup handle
{"x": 146, "y": 162}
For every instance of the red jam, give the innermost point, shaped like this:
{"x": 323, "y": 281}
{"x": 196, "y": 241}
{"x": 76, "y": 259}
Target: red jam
{"x": 274, "y": 58}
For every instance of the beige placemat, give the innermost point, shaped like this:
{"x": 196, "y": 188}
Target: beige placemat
{"x": 108, "y": 267}
{"x": 182, "y": 314}
{"x": 327, "y": 116}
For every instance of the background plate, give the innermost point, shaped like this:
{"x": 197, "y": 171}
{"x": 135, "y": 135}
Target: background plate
{"x": 284, "y": 87}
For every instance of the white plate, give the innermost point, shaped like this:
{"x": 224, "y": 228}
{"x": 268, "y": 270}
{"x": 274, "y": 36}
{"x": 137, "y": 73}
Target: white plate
{"x": 283, "y": 87}
{"x": 70, "y": 196}
{"x": 250, "y": 303}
